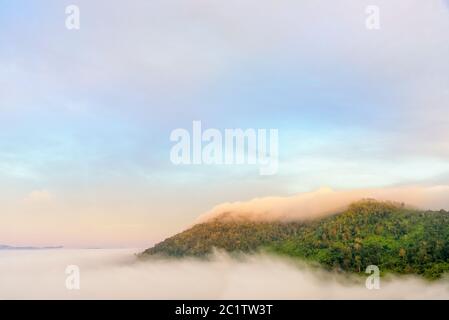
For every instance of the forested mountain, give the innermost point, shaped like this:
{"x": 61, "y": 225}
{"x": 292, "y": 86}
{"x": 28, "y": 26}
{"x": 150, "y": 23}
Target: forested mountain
{"x": 389, "y": 235}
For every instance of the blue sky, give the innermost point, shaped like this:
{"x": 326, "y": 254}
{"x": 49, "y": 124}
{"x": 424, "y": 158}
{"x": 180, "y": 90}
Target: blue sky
{"x": 86, "y": 115}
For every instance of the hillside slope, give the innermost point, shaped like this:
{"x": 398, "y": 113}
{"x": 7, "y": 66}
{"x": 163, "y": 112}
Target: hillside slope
{"x": 388, "y": 235}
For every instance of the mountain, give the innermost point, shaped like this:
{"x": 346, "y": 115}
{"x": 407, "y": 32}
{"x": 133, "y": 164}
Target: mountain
{"x": 395, "y": 238}
{"x": 5, "y": 247}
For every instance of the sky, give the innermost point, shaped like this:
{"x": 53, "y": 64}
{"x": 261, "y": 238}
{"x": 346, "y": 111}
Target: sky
{"x": 86, "y": 115}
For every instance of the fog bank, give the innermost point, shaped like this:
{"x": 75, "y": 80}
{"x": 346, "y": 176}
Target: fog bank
{"x": 115, "y": 274}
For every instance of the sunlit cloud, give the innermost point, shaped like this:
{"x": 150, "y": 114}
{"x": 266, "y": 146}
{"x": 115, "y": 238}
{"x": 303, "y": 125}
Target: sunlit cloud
{"x": 325, "y": 201}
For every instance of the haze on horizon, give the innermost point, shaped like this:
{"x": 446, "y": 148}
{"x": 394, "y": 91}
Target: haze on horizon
{"x": 86, "y": 116}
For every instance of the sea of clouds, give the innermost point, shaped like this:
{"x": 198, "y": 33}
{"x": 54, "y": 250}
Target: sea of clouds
{"x": 117, "y": 274}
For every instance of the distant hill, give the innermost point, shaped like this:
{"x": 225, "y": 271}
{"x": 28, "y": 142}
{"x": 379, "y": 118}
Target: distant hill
{"x": 389, "y": 235}
{"x": 5, "y": 247}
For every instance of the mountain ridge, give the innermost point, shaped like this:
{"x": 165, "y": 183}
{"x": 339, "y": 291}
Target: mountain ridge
{"x": 7, "y": 247}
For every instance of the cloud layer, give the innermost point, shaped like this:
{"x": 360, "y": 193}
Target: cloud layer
{"x": 109, "y": 274}
{"x": 326, "y": 201}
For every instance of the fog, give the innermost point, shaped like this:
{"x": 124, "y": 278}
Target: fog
{"x": 116, "y": 274}
{"x": 326, "y": 201}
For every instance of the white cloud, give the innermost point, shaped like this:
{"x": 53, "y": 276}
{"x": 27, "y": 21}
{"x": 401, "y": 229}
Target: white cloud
{"x": 39, "y": 197}
{"x": 327, "y": 201}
